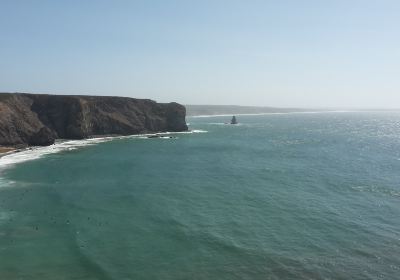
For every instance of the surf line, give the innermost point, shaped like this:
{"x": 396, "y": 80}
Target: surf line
{"x": 33, "y": 153}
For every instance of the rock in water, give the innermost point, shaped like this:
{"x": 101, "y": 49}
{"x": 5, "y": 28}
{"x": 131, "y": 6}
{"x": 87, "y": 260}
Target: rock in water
{"x": 234, "y": 121}
{"x": 38, "y": 119}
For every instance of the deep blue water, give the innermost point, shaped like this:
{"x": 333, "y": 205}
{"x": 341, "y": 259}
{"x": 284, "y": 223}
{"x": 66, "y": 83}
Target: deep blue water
{"x": 297, "y": 196}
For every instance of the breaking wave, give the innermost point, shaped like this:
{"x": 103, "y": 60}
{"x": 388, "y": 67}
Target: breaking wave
{"x": 33, "y": 153}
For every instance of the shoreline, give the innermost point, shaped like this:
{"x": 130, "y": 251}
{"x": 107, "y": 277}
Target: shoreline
{"x": 289, "y": 113}
{"x": 29, "y": 153}
{"x": 7, "y": 151}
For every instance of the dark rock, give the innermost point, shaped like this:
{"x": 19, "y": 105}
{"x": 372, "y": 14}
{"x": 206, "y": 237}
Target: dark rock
{"x": 35, "y": 119}
{"x": 43, "y": 137}
{"x": 233, "y": 120}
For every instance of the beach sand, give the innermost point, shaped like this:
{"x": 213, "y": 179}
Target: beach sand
{"x": 4, "y": 150}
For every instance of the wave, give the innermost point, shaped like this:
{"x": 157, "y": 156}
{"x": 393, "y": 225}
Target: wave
{"x": 4, "y": 216}
{"x": 378, "y": 189}
{"x": 34, "y": 153}
{"x": 199, "y": 131}
{"x": 5, "y": 183}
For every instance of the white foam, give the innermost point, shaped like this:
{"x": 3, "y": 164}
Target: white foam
{"x": 5, "y": 183}
{"x": 181, "y": 132}
{"x": 38, "y": 152}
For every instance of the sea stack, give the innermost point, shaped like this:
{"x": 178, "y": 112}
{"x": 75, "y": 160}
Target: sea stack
{"x": 233, "y": 120}
{"x": 39, "y": 119}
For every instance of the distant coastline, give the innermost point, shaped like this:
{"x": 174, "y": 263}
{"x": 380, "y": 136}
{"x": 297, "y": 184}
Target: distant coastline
{"x": 212, "y": 110}
{"x": 229, "y": 110}
{"x": 264, "y": 114}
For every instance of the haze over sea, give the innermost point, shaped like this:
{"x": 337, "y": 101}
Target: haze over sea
{"x": 284, "y": 196}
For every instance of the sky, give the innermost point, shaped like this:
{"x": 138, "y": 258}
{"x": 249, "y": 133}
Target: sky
{"x": 282, "y": 53}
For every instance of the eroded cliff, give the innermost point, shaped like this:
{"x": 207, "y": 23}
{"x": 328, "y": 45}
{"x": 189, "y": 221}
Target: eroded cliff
{"x": 39, "y": 119}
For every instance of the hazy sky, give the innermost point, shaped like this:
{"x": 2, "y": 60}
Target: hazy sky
{"x": 275, "y": 53}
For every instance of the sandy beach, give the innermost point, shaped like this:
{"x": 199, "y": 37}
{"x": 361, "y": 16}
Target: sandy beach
{"x": 4, "y": 150}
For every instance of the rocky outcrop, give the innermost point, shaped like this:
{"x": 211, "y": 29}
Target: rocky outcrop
{"x": 38, "y": 119}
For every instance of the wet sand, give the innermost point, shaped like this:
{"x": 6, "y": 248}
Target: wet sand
{"x": 6, "y": 150}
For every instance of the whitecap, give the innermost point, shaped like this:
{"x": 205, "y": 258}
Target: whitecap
{"x": 5, "y": 183}
{"x": 182, "y": 132}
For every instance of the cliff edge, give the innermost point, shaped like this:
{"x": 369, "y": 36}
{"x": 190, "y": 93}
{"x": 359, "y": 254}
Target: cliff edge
{"x": 39, "y": 119}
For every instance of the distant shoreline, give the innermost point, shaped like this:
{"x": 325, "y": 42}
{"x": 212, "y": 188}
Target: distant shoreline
{"x": 229, "y": 110}
{"x": 288, "y": 113}
{"x": 255, "y": 114}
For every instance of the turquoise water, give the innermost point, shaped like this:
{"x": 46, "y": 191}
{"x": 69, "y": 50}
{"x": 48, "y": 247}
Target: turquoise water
{"x": 297, "y": 196}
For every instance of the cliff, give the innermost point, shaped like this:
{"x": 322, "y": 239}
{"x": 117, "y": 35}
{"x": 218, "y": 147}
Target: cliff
{"x": 38, "y": 119}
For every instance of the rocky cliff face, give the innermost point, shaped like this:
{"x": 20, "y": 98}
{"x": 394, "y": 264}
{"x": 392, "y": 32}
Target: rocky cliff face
{"x": 36, "y": 119}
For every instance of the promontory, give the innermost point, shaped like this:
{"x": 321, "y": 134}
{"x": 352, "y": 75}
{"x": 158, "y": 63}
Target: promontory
{"x": 40, "y": 119}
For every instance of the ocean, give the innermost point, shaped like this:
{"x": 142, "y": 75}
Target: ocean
{"x": 278, "y": 196}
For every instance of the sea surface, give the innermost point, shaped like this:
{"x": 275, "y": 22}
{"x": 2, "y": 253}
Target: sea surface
{"x": 280, "y": 196}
